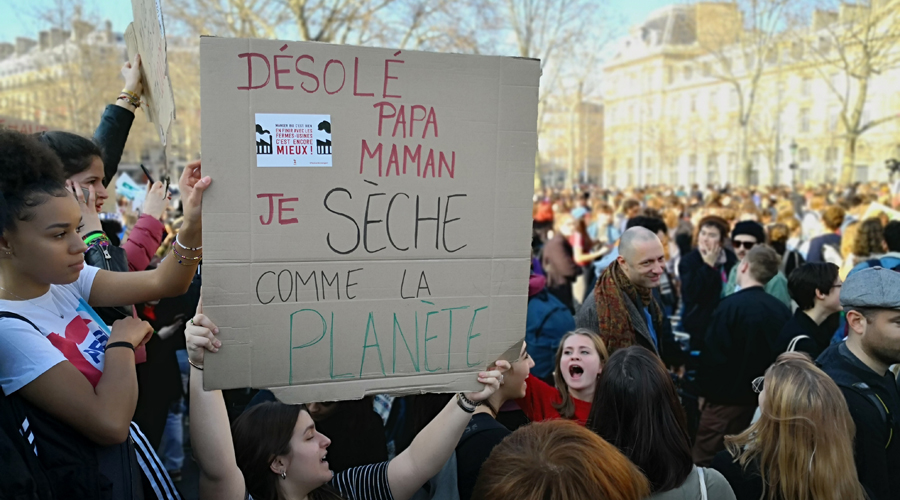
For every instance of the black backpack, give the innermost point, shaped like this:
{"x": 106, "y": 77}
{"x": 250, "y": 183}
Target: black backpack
{"x": 23, "y": 477}
{"x": 43, "y": 458}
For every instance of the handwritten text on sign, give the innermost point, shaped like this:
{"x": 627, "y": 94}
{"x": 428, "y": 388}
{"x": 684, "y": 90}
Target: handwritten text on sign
{"x": 404, "y": 265}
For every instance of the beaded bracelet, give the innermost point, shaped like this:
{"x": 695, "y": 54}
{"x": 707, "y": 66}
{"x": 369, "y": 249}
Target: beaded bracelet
{"x": 130, "y": 100}
{"x": 192, "y": 249}
{"x": 94, "y": 237}
{"x": 182, "y": 258}
{"x": 92, "y": 233}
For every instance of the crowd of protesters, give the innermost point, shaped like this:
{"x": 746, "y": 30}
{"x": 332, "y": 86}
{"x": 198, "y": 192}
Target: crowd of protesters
{"x": 714, "y": 343}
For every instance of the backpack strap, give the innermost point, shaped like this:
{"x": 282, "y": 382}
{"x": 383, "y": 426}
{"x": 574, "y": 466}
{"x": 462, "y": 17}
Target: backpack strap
{"x": 793, "y": 344}
{"x": 7, "y": 314}
{"x": 865, "y": 391}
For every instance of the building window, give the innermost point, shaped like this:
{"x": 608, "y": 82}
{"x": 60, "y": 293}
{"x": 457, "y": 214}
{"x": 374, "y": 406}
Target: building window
{"x": 806, "y": 86}
{"x": 693, "y": 103}
{"x": 707, "y": 69}
{"x": 804, "y": 120}
{"x": 688, "y": 72}
{"x": 772, "y": 57}
{"x": 797, "y": 50}
{"x": 670, "y": 75}
{"x": 692, "y": 161}
{"x": 804, "y": 155}
{"x": 726, "y": 64}
{"x": 824, "y": 45}
{"x": 831, "y": 154}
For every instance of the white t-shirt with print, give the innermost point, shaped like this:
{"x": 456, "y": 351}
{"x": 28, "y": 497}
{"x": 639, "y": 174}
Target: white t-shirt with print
{"x": 79, "y": 337}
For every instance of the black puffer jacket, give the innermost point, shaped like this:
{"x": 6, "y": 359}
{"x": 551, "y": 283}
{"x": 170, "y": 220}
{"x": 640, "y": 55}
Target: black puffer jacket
{"x": 110, "y": 258}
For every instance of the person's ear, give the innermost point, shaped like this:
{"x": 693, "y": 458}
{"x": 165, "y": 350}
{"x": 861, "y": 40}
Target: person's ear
{"x": 621, "y": 260}
{"x": 6, "y": 249}
{"x": 820, "y": 295}
{"x": 856, "y": 321}
{"x": 279, "y": 465}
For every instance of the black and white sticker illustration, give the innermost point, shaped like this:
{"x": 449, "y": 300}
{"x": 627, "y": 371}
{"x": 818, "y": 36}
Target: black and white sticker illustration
{"x": 293, "y": 140}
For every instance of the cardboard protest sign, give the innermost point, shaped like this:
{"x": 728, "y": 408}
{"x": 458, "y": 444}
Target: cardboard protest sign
{"x": 147, "y": 36}
{"x": 368, "y": 228}
{"x": 127, "y": 187}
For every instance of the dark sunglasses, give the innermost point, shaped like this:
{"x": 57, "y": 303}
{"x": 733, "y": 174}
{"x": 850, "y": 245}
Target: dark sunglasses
{"x": 746, "y": 244}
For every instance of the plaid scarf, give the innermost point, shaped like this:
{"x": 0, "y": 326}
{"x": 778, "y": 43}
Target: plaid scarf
{"x": 615, "y": 322}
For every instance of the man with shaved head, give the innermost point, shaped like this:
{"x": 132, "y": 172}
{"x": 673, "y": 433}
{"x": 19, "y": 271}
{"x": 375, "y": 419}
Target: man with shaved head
{"x": 623, "y": 308}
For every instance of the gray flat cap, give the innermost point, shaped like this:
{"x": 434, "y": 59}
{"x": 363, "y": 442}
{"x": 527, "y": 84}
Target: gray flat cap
{"x": 874, "y": 287}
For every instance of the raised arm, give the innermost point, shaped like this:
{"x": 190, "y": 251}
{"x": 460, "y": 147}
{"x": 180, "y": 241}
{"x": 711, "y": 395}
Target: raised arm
{"x": 147, "y": 234}
{"x": 174, "y": 274}
{"x": 220, "y": 478}
{"x": 112, "y": 131}
{"x": 432, "y": 447}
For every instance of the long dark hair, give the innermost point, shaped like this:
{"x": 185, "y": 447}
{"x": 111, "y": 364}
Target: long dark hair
{"x": 76, "y": 152}
{"x": 29, "y": 172}
{"x": 260, "y": 434}
{"x": 636, "y": 408}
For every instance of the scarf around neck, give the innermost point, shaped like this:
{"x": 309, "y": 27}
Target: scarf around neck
{"x": 616, "y": 324}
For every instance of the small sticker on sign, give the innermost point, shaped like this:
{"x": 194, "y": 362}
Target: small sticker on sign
{"x": 293, "y": 140}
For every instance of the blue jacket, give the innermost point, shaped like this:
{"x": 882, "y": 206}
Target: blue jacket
{"x": 888, "y": 261}
{"x": 547, "y": 321}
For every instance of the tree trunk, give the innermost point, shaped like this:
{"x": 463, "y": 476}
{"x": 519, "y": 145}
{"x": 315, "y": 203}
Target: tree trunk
{"x": 570, "y": 168}
{"x": 745, "y": 163}
{"x": 849, "y": 159}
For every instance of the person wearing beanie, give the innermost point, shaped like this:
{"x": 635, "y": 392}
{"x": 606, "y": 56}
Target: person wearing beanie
{"x": 746, "y": 235}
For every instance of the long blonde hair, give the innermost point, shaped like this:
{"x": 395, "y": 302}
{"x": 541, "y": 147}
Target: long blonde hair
{"x": 803, "y": 442}
{"x": 566, "y": 407}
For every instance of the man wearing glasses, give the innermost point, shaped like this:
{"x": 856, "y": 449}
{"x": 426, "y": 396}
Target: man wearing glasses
{"x": 816, "y": 288}
{"x": 746, "y": 235}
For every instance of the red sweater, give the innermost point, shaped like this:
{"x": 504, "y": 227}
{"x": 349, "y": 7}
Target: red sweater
{"x": 539, "y": 399}
{"x": 143, "y": 242}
